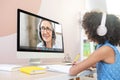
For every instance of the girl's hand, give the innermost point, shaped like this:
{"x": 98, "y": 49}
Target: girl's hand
{"x": 75, "y": 63}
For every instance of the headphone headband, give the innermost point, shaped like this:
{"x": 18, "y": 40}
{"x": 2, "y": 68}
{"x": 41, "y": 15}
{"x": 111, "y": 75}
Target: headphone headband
{"x": 103, "y": 20}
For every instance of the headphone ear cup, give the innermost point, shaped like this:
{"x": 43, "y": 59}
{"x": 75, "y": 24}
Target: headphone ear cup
{"x": 101, "y": 30}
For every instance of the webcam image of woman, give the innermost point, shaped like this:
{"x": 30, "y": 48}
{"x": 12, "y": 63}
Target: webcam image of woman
{"x": 46, "y": 34}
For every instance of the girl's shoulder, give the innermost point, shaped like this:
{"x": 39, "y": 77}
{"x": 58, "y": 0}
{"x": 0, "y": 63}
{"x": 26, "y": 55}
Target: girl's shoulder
{"x": 108, "y": 46}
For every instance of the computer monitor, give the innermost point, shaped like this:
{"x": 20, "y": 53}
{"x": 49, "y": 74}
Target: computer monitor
{"x": 38, "y": 37}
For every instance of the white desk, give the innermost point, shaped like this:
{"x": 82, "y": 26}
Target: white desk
{"x": 16, "y": 75}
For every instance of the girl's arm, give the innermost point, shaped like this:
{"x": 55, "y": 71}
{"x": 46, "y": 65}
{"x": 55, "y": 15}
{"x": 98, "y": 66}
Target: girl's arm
{"x": 104, "y": 53}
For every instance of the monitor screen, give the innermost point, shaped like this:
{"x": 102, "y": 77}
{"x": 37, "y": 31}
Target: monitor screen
{"x": 37, "y": 36}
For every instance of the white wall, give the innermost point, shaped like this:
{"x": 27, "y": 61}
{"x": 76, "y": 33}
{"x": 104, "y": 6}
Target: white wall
{"x": 96, "y": 5}
{"x": 115, "y": 9}
{"x": 67, "y": 13}
{"x": 8, "y": 50}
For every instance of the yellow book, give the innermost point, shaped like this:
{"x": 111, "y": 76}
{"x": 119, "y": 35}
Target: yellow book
{"x": 32, "y": 69}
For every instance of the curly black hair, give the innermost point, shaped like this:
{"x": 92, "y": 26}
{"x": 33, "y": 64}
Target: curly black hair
{"x": 92, "y": 20}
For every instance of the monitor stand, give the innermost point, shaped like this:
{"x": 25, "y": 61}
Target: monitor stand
{"x": 35, "y": 61}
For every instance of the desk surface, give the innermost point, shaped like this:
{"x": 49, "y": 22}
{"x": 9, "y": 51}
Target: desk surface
{"x": 49, "y": 75}
{"x": 17, "y": 75}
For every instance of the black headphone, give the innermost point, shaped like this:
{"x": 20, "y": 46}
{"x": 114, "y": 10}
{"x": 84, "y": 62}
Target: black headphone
{"x": 102, "y": 29}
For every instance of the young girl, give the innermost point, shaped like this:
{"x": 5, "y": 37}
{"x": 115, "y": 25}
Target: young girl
{"x": 106, "y": 56}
